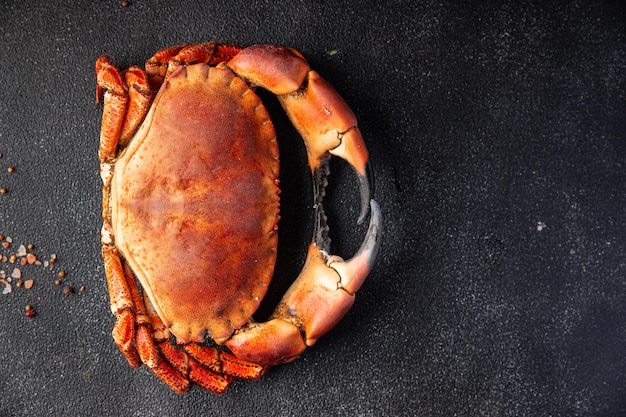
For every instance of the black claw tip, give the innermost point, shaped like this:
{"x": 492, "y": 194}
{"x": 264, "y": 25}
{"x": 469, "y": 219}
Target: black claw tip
{"x": 366, "y": 189}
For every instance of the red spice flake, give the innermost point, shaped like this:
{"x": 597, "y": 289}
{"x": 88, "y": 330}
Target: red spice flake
{"x": 30, "y": 311}
{"x": 23, "y": 261}
{"x": 31, "y": 258}
{"x": 5, "y": 244}
{"x": 29, "y": 283}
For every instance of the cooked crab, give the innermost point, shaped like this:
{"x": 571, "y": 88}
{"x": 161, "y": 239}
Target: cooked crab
{"x": 189, "y": 162}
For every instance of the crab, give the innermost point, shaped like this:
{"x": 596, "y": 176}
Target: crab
{"x": 189, "y": 163}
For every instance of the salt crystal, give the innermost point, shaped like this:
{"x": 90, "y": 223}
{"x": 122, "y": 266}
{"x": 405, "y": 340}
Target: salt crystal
{"x": 21, "y": 251}
{"x": 17, "y": 273}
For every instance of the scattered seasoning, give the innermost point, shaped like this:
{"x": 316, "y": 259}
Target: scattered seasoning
{"x": 10, "y": 169}
{"x": 125, "y": 4}
{"x": 30, "y": 311}
{"x": 3, "y": 190}
{"x": 22, "y": 257}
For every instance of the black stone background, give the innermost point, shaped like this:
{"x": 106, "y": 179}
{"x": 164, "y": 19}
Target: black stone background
{"x": 497, "y": 135}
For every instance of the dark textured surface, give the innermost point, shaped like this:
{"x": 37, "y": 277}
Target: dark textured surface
{"x": 498, "y": 138}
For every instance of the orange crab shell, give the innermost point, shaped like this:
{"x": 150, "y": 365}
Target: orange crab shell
{"x": 201, "y": 175}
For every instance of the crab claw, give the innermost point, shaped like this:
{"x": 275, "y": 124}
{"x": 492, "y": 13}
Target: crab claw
{"x": 354, "y": 271}
{"x": 318, "y": 112}
{"x": 326, "y": 287}
{"x": 352, "y": 149}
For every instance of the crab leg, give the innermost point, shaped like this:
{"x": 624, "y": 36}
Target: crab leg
{"x": 122, "y": 306}
{"x": 110, "y": 85}
{"x": 140, "y": 97}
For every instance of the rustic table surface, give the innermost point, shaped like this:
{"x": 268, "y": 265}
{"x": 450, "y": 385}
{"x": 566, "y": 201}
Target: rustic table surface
{"x": 498, "y": 139}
